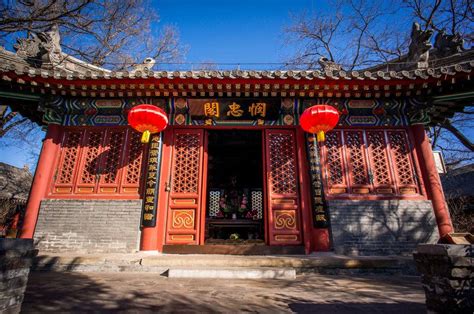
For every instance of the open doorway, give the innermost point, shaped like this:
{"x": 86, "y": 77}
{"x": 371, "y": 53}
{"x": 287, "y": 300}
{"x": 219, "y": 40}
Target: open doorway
{"x": 235, "y": 199}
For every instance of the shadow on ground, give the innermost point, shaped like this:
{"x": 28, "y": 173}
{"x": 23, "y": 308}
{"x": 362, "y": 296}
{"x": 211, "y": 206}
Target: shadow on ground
{"x": 354, "y": 308}
{"x": 150, "y": 292}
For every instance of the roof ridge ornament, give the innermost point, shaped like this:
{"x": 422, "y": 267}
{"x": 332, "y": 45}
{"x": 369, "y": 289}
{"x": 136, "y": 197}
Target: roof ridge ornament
{"x": 446, "y": 45}
{"x": 329, "y": 65}
{"x": 41, "y": 49}
{"x": 420, "y": 45}
{"x": 146, "y": 66}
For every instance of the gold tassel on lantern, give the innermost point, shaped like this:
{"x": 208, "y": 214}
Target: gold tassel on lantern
{"x": 320, "y": 136}
{"x": 145, "y": 137}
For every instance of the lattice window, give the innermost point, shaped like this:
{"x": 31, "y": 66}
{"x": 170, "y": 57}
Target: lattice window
{"x": 377, "y": 149}
{"x": 214, "y": 197}
{"x": 282, "y": 164}
{"x": 91, "y": 161}
{"x": 135, "y": 157}
{"x": 334, "y": 158}
{"x": 402, "y": 163}
{"x": 256, "y": 201}
{"x": 186, "y": 163}
{"x": 356, "y": 152}
{"x": 113, "y": 157}
{"x": 369, "y": 161}
{"x": 70, "y": 156}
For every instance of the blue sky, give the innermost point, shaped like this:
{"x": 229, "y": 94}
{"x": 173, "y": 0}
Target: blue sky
{"x": 233, "y": 31}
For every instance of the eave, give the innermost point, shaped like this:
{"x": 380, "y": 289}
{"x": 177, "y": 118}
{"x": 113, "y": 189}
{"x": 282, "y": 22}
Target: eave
{"x": 334, "y": 84}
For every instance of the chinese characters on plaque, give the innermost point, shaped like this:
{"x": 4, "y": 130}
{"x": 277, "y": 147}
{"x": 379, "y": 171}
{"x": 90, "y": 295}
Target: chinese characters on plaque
{"x": 151, "y": 183}
{"x": 247, "y": 109}
{"x": 320, "y": 216}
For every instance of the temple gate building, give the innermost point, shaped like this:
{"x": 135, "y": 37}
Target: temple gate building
{"x": 233, "y": 171}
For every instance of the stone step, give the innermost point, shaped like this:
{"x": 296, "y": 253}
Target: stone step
{"x": 233, "y": 273}
{"x": 326, "y": 263}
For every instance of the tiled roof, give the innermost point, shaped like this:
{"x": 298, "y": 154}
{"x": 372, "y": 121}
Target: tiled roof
{"x": 438, "y": 72}
{"x": 14, "y": 182}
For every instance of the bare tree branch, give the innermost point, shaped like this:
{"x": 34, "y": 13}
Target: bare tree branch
{"x": 461, "y": 137}
{"x": 102, "y": 32}
{"x": 110, "y": 33}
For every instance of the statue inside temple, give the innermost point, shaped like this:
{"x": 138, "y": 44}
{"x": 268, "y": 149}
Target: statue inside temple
{"x": 234, "y": 201}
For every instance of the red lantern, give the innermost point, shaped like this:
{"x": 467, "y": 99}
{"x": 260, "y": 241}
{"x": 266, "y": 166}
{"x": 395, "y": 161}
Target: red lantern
{"x": 147, "y": 119}
{"x": 319, "y": 119}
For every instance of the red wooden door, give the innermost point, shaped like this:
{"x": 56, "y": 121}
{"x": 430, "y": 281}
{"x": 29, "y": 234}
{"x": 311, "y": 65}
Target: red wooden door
{"x": 185, "y": 190}
{"x": 283, "y": 214}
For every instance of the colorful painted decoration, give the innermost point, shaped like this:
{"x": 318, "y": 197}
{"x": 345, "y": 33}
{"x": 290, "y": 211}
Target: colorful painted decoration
{"x": 147, "y": 119}
{"x": 319, "y": 119}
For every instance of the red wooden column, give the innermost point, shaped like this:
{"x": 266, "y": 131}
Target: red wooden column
{"x": 43, "y": 174}
{"x": 432, "y": 180}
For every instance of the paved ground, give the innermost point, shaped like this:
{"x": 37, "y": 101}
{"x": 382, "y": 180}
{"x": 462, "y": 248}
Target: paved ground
{"x": 146, "y": 292}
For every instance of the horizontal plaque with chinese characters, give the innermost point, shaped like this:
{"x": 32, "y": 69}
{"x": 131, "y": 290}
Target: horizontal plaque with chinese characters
{"x": 239, "y": 109}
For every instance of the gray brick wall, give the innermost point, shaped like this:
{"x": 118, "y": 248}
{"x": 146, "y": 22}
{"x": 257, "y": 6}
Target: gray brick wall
{"x": 88, "y": 226}
{"x": 385, "y": 227}
{"x": 16, "y": 258}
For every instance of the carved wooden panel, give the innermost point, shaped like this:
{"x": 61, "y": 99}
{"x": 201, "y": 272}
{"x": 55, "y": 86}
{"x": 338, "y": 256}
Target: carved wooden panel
{"x": 378, "y": 156}
{"x": 371, "y": 161}
{"x": 334, "y": 163}
{"x": 184, "y": 208}
{"x": 110, "y": 168}
{"x": 67, "y": 167}
{"x": 282, "y": 188}
{"x": 356, "y": 161}
{"x": 89, "y": 165}
{"x": 133, "y": 166}
{"x": 402, "y": 162}
{"x": 186, "y": 163}
{"x": 183, "y": 219}
{"x": 98, "y": 160}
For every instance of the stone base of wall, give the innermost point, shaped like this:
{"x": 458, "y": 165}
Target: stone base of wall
{"x": 16, "y": 258}
{"x": 387, "y": 227}
{"x": 88, "y": 226}
{"x": 447, "y": 273}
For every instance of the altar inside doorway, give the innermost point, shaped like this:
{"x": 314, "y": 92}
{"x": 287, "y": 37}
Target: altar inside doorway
{"x": 235, "y": 194}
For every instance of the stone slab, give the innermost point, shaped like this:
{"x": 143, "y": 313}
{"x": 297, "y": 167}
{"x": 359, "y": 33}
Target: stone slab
{"x": 141, "y": 262}
{"x": 19, "y": 245}
{"x": 446, "y": 249}
{"x": 233, "y": 273}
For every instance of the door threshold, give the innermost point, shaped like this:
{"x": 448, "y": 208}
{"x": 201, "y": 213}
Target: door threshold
{"x": 241, "y": 249}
